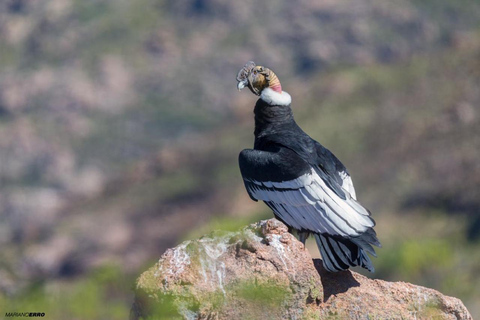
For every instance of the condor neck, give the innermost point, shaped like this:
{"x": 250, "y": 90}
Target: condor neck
{"x": 267, "y": 115}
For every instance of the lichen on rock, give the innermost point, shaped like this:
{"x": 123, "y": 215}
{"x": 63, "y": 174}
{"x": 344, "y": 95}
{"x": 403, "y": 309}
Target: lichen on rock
{"x": 263, "y": 272}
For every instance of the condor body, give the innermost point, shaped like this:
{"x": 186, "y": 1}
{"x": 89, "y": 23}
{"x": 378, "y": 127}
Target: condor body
{"x": 303, "y": 183}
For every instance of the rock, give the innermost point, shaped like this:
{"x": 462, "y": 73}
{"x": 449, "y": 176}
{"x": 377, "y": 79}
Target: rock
{"x": 263, "y": 272}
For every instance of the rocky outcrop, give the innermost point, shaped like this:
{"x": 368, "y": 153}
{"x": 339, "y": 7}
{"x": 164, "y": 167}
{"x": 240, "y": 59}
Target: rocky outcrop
{"x": 263, "y": 272}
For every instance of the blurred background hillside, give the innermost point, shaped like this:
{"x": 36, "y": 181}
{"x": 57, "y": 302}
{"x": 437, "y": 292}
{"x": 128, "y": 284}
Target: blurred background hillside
{"x": 120, "y": 127}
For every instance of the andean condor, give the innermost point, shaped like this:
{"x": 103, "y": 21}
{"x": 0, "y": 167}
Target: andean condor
{"x": 304, "y": 184}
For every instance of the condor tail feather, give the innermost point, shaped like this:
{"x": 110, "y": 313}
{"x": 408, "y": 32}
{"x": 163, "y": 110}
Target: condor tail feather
{"x": 339, "y": 253}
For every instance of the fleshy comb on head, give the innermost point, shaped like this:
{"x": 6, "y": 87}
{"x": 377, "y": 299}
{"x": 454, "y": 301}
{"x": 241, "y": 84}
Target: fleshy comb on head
{"x": 242, "y": 75}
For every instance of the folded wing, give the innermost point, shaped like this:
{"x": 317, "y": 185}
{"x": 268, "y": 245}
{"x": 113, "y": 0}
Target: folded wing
{"x": 299, "y": 195}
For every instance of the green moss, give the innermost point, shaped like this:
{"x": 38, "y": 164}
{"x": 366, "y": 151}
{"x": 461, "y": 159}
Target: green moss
{"x": 148, "y": 281}
{"x": 315, "y": 292}
{"x": 310, "y": 314}
{"x": 431, "y": 309}
{"x": 269, "y": 293}
{"x": 164, "y": 308}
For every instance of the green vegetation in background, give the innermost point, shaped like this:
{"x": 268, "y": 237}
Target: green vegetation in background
{"x": 138, "y": 132}
{"x": 428, "y": 248}
{"x": 227, "y": 223}
{"x": 448, "y": 12}
{"x": 415, "y": 257}
{"x": 101, "y": 295}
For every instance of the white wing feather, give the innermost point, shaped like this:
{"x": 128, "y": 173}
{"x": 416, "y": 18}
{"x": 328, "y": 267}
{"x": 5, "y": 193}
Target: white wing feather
{"x": 308, "y": 203}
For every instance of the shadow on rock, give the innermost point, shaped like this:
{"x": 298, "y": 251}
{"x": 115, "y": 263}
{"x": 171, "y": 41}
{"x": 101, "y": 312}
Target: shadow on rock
{"x": 334, "y": 282}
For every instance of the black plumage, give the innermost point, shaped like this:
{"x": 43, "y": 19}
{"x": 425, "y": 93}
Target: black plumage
{"x": 307, "y": 188}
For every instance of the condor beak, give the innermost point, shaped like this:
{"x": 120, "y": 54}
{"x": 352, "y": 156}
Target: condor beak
{"x": 242, "y": 84}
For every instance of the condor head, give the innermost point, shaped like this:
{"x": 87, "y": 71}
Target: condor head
{"x": 257, "y": 78}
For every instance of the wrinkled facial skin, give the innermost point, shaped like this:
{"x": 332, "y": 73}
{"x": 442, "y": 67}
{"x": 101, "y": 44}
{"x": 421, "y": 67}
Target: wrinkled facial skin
{"x": 257, "y": 80}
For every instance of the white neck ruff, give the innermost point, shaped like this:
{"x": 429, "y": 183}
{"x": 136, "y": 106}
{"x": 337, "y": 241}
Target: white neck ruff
{"x": 274, "y": 98}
